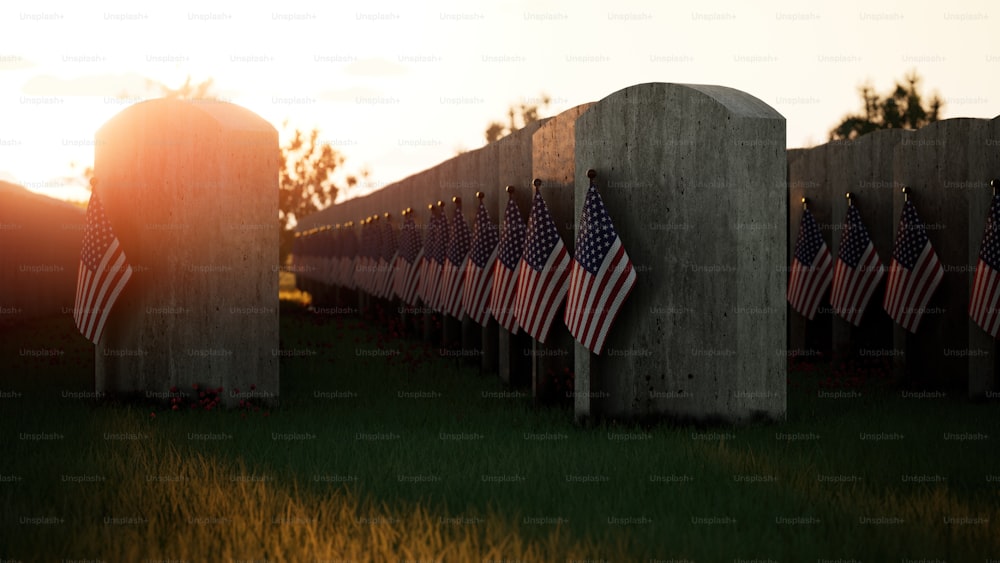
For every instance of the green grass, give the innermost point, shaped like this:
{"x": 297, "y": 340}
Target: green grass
{"x": 332, "y": 491}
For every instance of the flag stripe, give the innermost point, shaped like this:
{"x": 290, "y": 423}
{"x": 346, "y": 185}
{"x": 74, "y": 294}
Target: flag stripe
{"x": 102, "y": 275}
{"x": 609, "y": 301}
{"x": 543, "y": 293}
{"x": 986, "y": 287}
{"x": 811, "y": 271}
{"x": 503, "y": 296}
{"x": 116, "y": 290}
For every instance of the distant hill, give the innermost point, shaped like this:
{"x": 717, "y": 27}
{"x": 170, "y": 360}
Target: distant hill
{"x": 40, "y": 240}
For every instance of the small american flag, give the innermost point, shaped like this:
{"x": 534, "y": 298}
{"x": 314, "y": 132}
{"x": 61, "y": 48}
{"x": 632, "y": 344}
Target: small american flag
{"x": 857, "y": 272}
{"x": 338, "y": 255}
{"x": 542, "y": 281}
{"x": 297, "y": 253}
{"x": 440, "y": 256}
{"x": 362, "y": 258}
{"x": 102, "y": 274}
{"x": 986, "y": 286}
{"x": 505, "y": 271}
{"x": 479, "y": 268}
{"x": 914, "y": 272}
{"x": 453, "y": 273}
{"x": 350, "y": 250}
{"x": 376, "y": 257}
{"x": 810, "y": 276}
{"x": 601, "y": 277}
{"x": 329, "y": 256}
{"x": 407, "y": 262}
{"x": 390, "y": 249}
{"x": 426, "y": 259}
{"x": 430, "y": 274}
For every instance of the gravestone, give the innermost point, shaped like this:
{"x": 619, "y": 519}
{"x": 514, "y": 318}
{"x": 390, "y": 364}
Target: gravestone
{"x": 494, "y": 195}
{"x": 807, "y": 178}
{"x": 514, "y": 168}
{"x": 694, "y": 179}
{"x": 948, "y": 166}
{"x": 553, "y": 146}
{"x": 863, "y": 167}
{"x": 191, "y": 189}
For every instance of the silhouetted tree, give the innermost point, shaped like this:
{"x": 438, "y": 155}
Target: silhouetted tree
{"x": 186, "y": 91}
{"x": 517, "y": 117}
{"x": 900, "y": 109}
{"x": 306, "y": 183}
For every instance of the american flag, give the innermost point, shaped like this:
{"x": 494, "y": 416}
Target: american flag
{"x": 479, "y": 268}
{"x": 349, "y": 239}
{"x": 914, "y": 272}
{"x": 390, "y": 248}
{"x": 361, "y": 258}
{"x": 102, "y": 274}
{"x": 434, "y": 250}
{"x": 440, "y": 256}
{"x": 453, "y": 273}
{"x": 811, "y": 267}
{"x": 986, "y": 287}
{"x": 857, "y": 272}
{"x": 376, "y": 253}
{"x": 298, "y": 255}
{"x": 338, "y": 255}
{"x": 302, "y": 257}
{"x": 310, "y": 257}
{"x": 329, "y": 255}
{"x": 544, "y": 273}
{"x": 427, "y": 260}
{"x": 506, "y": 269}
{"x": 407, "y": 262}
{"x": 601, "y": 276}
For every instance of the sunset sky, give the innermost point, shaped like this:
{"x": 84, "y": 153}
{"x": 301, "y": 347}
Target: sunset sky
{"x": 397, "y": 87}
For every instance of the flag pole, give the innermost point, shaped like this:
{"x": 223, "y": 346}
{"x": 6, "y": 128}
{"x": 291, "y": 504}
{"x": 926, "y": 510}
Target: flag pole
{"x": 805, "y": 204}
{"x": 906, "y": 193}
{"x": 995, "y": 183}
{"x": 537, "y": 183}
{"x": 850, "y": 199}
{"x": 591, "y": 173}
{"x": 510, "y": 191}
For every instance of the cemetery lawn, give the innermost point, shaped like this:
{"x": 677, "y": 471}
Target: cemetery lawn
{"x": 384, "y": 450}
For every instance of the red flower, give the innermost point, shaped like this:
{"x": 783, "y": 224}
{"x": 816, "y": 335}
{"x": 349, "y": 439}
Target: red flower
{"x": 253, "y": 386}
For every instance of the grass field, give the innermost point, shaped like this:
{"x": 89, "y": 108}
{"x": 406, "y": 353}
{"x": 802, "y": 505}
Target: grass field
{"x": 407, "y": 456}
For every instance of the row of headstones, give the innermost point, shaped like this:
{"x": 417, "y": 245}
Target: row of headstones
{"x": 947, "y": 167}
{"x": 694, "y": 180}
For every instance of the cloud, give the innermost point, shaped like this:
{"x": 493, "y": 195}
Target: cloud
{"x": 375, "y": 67}
{"x": 128, "y": 84}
